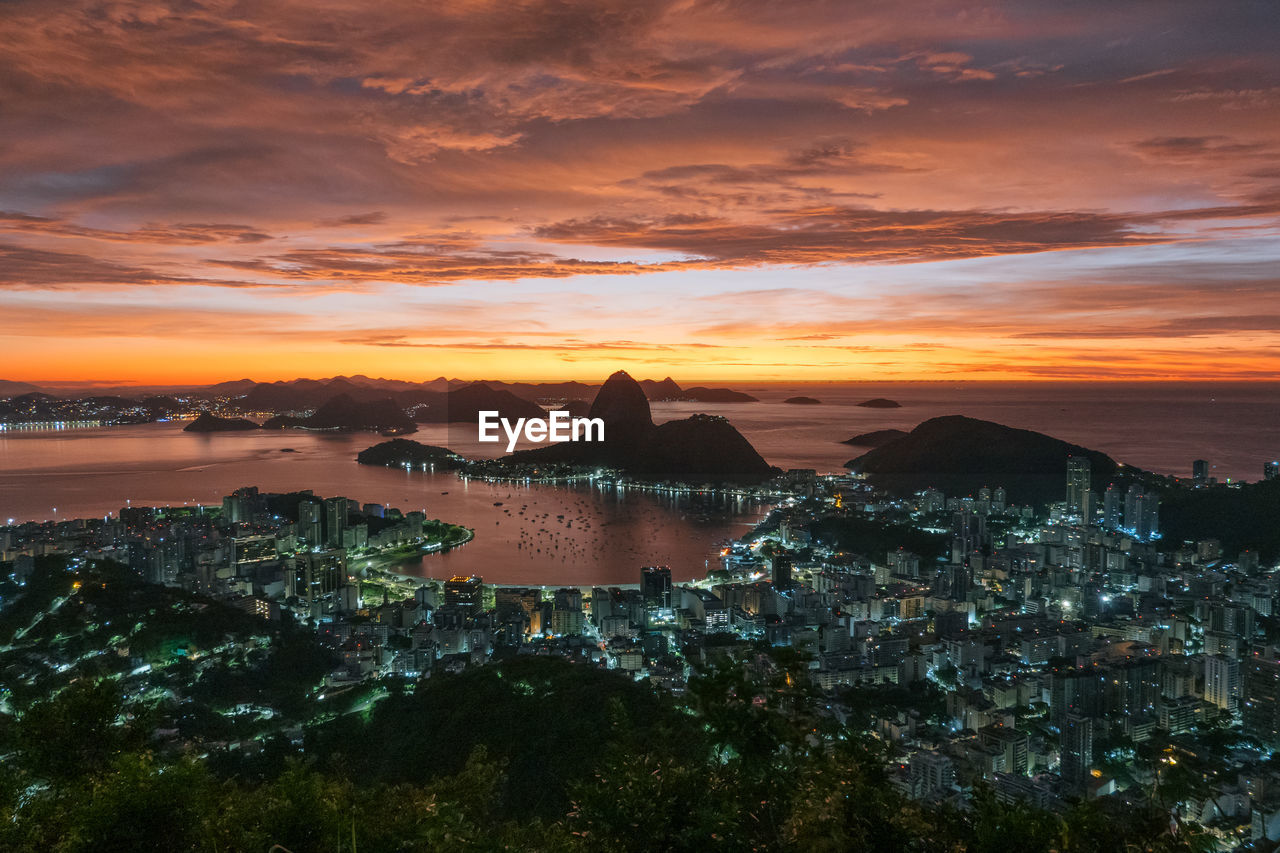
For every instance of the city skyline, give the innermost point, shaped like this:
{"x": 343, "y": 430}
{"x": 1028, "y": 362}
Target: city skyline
{"x": 197, "y": 193}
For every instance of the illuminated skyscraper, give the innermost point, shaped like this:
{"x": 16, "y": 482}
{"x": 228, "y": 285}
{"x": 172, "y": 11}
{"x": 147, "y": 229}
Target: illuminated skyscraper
{"x": 335, "y": 520}
{"x": 781, "y": 569}
{"x": 1079, "y": 470}
{"x": 1076, "y": 757}
{"x": 1112, "y": 508}
{"x": 1222, "y": 681}
{"x": 1261, "y": 696}
{"x": 1141, "y": 513}
{"x": 968, "y": 534}
{"x": 466, "y": 593}
{"x": 309, "y": 523}
{"x": 316, "y": 574}
{"x": 655, "y": 587}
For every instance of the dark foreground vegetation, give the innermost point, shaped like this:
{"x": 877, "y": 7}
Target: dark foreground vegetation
{"x": 531, "y": 754}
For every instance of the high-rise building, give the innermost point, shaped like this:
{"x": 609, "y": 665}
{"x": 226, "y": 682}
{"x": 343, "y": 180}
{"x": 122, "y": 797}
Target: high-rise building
{"x": 248, "y": 552}
{"x": 1133, "y": 688}
{"x": 1260, "y": 696}
{"x": 1112, "y": 508}
{"x": 310, "y": 525}
{"x": 1011, "y": 743}
{"x": 1079, "y": 692}
{"x": 566, "y": 623}
{"x": 1076, "y": 756}
{"x": 999, "y": 499}
{"x": 968, "y": 534}
{"x": 1271, "y": 471}
{"x": 316, "y": 574}
{"x": 1200, "y": 470}
{"x": 466, "y": 593}
{"x": 335, "y": 520}
{"x": 655, "y": 587}
{"x": 781, "y": 568}
{"x": 1222, "y": 681}
{"x": 1141, "y": 513}
{"x": 931, "y": 773}
{"x": 955, "y": 581}
{"x": 234, "y": 509}
{"x": 239, "y": 506}
{"x": 932, "y": 500}
{"x": 1079, "y": 471}
{"x": 903, "y": 564}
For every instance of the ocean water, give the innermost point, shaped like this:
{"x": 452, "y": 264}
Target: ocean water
{"x": 582, "y": 535}
{"x": 1161, "y": 427}
{"x": 526, "y": 534}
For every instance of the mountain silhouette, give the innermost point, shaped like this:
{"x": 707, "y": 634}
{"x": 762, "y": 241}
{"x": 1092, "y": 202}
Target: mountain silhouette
{"x": 698, "y": 448}
{"x": 209, "y": 422}
{"x": 960, "y": 455}
{"x": 343, "y": 412}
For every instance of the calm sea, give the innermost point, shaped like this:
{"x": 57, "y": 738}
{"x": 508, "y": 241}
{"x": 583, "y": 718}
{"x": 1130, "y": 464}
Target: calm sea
{"x": 544, "y": 534}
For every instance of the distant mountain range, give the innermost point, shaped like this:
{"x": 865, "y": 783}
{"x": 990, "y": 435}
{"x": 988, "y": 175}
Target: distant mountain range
{"x": 13, "y": 389}
{"x": 304, "y": 394}
{"x": 463, "y": 405}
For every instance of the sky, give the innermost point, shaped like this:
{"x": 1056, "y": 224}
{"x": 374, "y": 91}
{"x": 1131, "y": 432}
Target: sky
{"x": 739, "y": 189}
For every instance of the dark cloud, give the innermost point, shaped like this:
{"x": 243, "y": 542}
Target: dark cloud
{"x": 376, "y": 217}
{"x": 22, "y": 267}
{"x": 437, "y": 262}
{"x": 842, "y": 235}
{"x": 181, "y": 233}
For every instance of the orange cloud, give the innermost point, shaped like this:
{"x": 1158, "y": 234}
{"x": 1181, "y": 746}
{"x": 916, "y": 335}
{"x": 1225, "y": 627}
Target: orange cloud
{"x": 531, "y": 188}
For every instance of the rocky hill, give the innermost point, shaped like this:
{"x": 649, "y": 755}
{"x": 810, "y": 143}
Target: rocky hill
{"x": 209, "y": 422}
{"x": 696, "y": 449}
{"x": 875, "y": 438}
{"x": 403, "y": 451}
{"x": 959, "y": 455}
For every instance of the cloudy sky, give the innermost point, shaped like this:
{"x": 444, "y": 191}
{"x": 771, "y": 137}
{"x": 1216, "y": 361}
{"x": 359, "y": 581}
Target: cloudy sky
{"x": 196, "y": 191}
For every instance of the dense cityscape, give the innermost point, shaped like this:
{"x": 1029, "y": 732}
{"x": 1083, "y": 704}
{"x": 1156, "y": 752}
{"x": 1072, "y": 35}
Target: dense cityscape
{"x": 1045, "y": 656}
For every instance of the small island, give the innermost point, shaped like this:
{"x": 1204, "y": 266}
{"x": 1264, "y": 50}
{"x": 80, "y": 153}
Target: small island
{"x": 699, "y": 394}
{"x": 875, "y": 438}
{"x": 803, "y": 401}
{"x": 404, "y": 452}
{"x": 209, "y": 422}
{"x": 880, "y": 403}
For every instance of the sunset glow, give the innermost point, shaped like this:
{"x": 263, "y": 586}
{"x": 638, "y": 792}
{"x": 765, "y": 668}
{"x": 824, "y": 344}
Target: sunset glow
{"x": 192, "y": 192}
